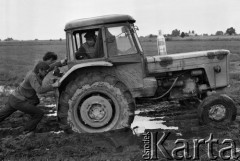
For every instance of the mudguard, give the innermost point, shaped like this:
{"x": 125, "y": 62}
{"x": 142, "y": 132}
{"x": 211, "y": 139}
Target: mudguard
{"x": 83, "y": 65}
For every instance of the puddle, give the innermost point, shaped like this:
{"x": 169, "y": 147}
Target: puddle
{"x": 141, "y": 123}
{"x": 52, "y": 111}
{"x": 146, "y": 122}
{"x": 52, "y": 114}
{"x": 51, "y": 106}
{"x": 6, "y": 90}
{"x": 56, "y": 132}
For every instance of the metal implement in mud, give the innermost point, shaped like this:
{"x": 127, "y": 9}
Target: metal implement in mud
{"x": 107, "y": 77}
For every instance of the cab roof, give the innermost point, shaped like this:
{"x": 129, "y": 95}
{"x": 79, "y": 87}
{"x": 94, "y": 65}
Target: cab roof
{"x": 106, "y": 19}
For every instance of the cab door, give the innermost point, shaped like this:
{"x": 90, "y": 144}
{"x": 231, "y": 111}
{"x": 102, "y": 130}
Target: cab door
{"x": 123, "y": 52}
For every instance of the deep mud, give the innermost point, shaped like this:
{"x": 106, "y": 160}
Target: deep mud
{"x": 49, "y": 143}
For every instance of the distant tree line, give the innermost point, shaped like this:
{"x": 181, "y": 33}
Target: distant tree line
{"x": 177, "y": 33}
{"x": 11, "y": 39}
{"x": 8, "y": 39}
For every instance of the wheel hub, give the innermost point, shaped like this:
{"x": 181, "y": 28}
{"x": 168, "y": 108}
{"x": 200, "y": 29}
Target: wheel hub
{"x": 217, "y": 112}
{"x": 96, "y": 111}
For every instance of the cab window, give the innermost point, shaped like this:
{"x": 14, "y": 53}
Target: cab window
{"x": 119, "y": 41}
{"x": 88, "y": 44}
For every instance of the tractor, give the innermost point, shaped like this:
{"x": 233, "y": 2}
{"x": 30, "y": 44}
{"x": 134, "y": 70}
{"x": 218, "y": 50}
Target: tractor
{"x": 99, "y": 93}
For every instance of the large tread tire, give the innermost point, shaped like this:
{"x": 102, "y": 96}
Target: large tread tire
{"x": 89, "y": 84}
{"x": 217, "y": 110}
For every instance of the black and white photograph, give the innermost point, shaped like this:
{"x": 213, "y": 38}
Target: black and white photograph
{"x": 119, "y": 80}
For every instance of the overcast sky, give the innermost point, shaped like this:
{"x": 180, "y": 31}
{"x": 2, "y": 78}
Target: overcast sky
{"x": 46, "y": 19}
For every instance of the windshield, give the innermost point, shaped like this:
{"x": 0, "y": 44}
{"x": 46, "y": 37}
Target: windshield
{"x": 120, "y": 41}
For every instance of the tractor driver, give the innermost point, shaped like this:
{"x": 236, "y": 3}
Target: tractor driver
{"x": 87, "y": 49}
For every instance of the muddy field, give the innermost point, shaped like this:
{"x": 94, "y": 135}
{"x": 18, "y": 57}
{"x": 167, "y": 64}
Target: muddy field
{"x": 49, "y": 143}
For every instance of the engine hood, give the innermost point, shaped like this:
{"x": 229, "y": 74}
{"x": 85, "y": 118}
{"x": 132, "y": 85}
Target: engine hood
{"x": 211, "y": 54}
{"x": 208, "y": 61}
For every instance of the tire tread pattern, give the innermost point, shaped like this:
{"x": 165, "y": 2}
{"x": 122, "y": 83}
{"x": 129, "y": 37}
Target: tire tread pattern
{"x": 90, "y": 78}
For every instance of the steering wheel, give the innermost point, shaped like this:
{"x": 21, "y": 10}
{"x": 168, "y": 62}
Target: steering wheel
{"x": 81, "y": 56}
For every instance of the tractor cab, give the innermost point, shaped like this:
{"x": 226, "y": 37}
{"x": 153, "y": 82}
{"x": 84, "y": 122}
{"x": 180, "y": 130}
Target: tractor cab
{"x": 113, "y": 38}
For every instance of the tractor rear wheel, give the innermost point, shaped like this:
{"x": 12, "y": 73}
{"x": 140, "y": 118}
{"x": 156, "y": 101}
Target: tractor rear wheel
{"x": 99, "y": 102}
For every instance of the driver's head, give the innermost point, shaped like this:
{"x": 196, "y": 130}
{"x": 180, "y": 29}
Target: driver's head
{"x": 90, "y": 38}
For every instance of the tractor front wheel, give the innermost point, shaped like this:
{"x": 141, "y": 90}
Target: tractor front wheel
{"x": 217, "y": 110}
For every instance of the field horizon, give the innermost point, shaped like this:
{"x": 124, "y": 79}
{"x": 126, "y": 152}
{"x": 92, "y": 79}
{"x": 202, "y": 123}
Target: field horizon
{"x": 147, "y": 38}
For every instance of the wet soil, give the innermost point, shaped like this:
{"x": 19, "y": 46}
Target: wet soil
{"x": 50, "y": 143}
